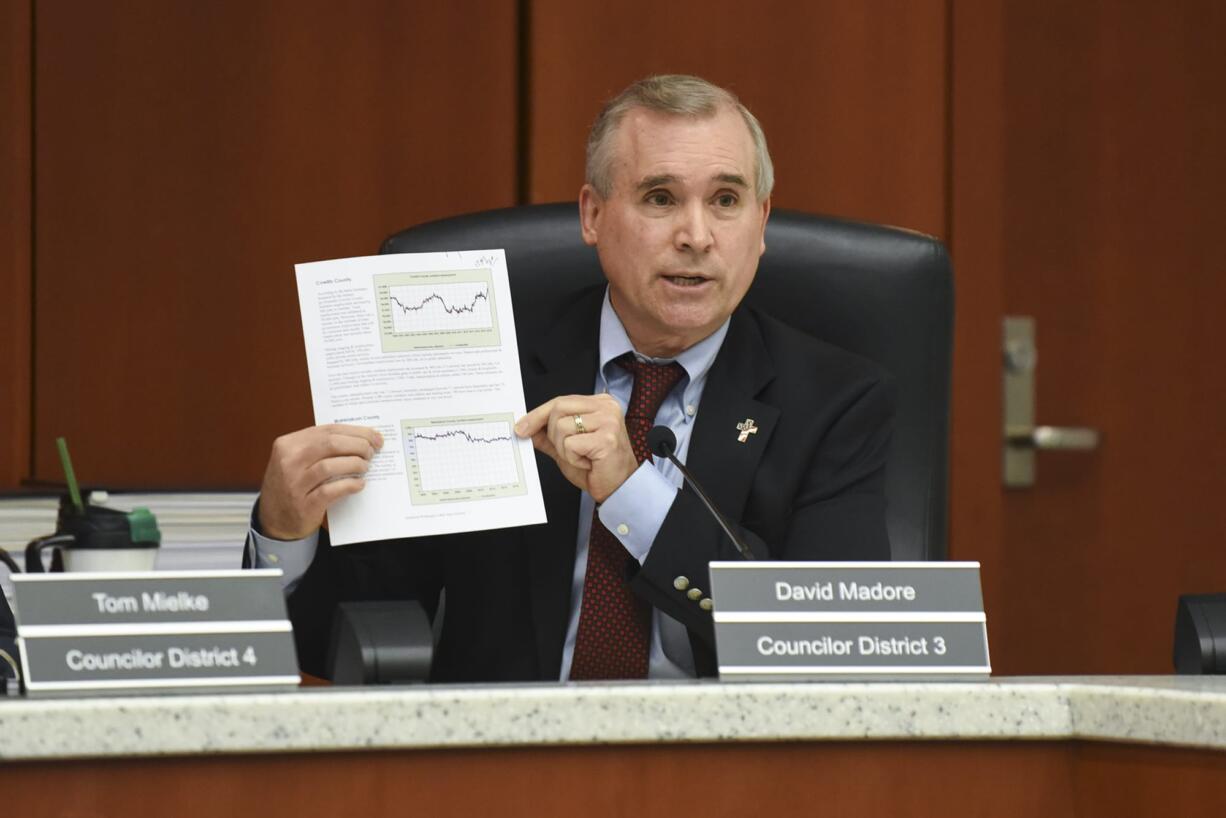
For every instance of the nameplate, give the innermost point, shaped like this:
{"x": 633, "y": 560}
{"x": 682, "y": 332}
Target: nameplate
{"x": 849, "y": 620}
{"x": 100, "y": 633}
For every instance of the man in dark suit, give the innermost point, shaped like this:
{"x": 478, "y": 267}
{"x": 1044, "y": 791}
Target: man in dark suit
{"x": 788, "y": 434}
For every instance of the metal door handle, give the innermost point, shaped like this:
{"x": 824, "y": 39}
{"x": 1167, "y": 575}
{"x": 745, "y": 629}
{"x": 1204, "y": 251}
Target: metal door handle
{"x": 1053, "y": 438}
{"x": 1022, "y": 437}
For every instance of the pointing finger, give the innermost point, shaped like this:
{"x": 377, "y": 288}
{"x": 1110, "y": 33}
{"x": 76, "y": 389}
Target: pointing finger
{"x": 534, "y": 421}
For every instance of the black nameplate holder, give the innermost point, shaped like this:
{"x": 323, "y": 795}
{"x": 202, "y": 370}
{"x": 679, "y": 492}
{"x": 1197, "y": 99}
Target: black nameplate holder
{"x": 187, "y": 631}
{"x": 777, "y": 621}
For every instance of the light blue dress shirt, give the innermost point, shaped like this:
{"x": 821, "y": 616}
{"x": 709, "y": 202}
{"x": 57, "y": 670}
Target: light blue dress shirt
{"x": 633, "y": 513}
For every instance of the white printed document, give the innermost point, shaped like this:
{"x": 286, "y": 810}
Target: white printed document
{"x": 421, "y": 346}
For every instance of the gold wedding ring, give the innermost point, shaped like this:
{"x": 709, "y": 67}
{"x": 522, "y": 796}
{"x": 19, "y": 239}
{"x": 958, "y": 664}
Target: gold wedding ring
{"x": 579, "y": 427}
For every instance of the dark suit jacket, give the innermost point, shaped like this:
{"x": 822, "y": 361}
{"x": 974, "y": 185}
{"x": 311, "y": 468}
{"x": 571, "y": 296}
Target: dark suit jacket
{"x": 808, "y": 485}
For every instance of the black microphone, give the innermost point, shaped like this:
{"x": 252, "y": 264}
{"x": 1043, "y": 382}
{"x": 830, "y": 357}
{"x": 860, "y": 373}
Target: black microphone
{"x": 662, "y": 442}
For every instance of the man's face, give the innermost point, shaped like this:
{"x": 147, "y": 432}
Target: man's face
{"x": 681, "y": 231}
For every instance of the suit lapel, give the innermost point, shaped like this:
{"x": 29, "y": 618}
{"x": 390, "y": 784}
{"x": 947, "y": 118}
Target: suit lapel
{"x": 725, "y": 466}
{"x": 564, "y": 363}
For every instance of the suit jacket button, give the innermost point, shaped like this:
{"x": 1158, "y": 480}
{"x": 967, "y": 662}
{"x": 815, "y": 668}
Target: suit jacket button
{"x": 681, "y": 583}
{"x": 694, "y": 594}
{"x": 706, "y": 604}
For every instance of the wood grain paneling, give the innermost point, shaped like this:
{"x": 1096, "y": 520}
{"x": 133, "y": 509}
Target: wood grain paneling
{"x": 15, "y": 243}
{"x": 917, "y": 779}
{"x": 1001, "y": 779}
{"x": 782, "y": 779}
{"x": 1100, "y": 219}
{"x": 852, "y": 96}
{"x": 188, "y": 154}
{"x": 976, "y": 244}
{"x": 1114, "y": 174}
{"x": 1114, "y": 779}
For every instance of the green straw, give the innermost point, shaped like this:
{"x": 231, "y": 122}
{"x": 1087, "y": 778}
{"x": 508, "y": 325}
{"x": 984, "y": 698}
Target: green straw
{"x": 74, "y": 491}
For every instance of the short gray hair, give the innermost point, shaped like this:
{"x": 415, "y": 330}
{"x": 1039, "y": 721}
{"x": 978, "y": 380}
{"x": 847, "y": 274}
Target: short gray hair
{"x": 680, "y": 95}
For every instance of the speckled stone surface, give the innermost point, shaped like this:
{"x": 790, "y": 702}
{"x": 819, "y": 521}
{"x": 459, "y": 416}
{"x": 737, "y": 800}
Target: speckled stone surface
{"x": 1187, "y": 711}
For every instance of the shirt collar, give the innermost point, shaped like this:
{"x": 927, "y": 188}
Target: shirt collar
{"x": 696, "y": 360}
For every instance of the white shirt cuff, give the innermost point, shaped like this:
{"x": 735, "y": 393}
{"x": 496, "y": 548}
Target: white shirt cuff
{"x": 293, "y": 557}
{"x": 635, "y": 512}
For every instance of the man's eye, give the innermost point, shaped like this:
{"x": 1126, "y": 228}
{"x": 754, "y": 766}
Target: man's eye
{"x": 658, "y": 198}
{"x": 726, "y": 200}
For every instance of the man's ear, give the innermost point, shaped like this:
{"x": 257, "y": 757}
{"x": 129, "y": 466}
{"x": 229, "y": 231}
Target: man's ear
{"x": 591, "y": 205}
{"x": 766, "y": 213}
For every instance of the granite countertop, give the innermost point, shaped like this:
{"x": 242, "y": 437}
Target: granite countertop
{"x": 1167, "y": 710}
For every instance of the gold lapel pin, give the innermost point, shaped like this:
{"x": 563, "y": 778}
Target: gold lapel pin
{"x": 746, "y": 428}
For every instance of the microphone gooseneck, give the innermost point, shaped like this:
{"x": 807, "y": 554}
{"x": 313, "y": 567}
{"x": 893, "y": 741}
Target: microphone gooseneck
{"x": 663, "y": 443}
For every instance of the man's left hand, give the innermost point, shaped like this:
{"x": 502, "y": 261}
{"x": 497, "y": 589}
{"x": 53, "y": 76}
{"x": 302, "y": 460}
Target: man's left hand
{"x": 586, "y": 436}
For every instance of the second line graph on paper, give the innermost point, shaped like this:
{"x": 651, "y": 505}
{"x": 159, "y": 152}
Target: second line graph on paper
{"x": 464, "y": 458}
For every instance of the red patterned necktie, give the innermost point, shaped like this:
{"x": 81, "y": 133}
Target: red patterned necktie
{"x": 614, "y": 634}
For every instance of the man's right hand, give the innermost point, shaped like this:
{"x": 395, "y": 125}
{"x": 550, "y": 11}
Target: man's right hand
{"x": 308, "y": 471}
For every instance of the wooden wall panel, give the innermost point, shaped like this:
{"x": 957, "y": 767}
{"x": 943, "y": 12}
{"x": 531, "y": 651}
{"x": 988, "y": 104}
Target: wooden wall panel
{"x": 187, "y": 155}
{"x": 1094, "y": 206}
{"x": 15, "y": 269}
{"x": 976, "y": 243}
{"x": 917, "y": 779}
{"x": 1120, "y": 779}
{"x": 852, "y": 95}
{"x": 1114, "y": 175}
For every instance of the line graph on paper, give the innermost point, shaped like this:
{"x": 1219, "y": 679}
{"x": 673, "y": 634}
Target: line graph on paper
{"x": 468, "y": 458}
{"x": 436, "y": 310}
{"x": 440, "y": 307}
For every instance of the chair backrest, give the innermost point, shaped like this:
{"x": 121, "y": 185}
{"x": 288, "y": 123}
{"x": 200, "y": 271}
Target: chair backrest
{"x": 880, "y": 292}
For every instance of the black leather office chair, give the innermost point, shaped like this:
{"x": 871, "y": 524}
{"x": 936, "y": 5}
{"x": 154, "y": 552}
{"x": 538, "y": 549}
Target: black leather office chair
{"x": 881, "y": 292}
